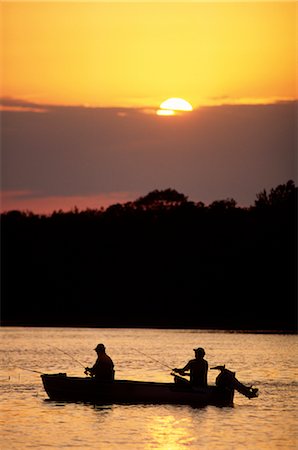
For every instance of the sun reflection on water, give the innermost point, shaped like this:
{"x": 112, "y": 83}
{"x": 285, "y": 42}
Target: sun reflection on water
{"x": 169, "y": 433}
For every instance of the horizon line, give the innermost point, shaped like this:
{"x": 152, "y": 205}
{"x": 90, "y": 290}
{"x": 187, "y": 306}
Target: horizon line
{"x": 19, "y": 104}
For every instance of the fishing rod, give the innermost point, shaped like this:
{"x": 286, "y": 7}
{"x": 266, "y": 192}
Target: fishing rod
{"x": 29, "y": 370}
{"x": 68, "y": 354}
{"x": 153, "y": 359}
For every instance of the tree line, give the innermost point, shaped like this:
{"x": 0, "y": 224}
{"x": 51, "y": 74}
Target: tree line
{"x": 160, "y": 261}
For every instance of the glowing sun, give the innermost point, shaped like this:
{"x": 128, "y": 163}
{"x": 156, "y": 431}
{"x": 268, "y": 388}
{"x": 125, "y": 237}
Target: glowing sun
{"x": 172, "y": 105}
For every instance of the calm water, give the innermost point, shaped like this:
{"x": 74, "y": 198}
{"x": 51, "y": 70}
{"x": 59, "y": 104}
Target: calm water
{"x": 28, "y": 420}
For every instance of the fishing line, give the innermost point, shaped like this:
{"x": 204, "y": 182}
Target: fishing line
{"x": 68, "y": 354}
{"x": 153, "y": 359}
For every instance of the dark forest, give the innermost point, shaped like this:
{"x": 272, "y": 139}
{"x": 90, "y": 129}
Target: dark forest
{"x": 160, "y": 261}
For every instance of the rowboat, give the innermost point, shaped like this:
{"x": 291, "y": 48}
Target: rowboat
{"x": 61, "y": 387}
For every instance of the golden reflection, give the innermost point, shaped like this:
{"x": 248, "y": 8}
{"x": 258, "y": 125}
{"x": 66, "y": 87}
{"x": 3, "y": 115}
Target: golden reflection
{"x": 169, "y": 433}
{"x": 165, "y": 112}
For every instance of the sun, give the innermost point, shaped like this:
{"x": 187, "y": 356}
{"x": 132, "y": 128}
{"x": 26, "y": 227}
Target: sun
{"x": 172, "y": 105}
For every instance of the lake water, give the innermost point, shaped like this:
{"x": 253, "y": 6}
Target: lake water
{"x": 29, "y": 420}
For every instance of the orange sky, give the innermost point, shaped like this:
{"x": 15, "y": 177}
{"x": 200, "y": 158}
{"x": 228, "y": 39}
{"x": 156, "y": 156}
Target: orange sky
{"x": 66, "y": 65}
{"x": 139, "y": 54}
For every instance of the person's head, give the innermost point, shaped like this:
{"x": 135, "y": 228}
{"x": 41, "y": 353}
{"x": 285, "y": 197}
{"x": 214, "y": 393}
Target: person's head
{"x": 199, "y": 352}
{"x": 100, "y": 348}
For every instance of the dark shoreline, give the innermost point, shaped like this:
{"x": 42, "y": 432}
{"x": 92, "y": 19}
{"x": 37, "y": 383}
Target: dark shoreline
{"x": 162, "y": 261}
{"x": 156, "y": 327}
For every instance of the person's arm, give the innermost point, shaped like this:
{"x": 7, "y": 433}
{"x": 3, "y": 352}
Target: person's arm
{"x": 187, "y": 367}
{"x": 183, "y": 370}
{"x": 91, "y": 370}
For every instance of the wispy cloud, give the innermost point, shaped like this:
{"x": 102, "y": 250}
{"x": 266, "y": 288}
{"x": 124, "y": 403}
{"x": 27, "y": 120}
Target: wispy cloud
{"x": 230, "y": 100}
{"x": 24, "y": 105}
{"x": 16, "y": 104}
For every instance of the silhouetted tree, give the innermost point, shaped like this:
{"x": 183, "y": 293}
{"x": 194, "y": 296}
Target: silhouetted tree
{"x": 165, "y": 198}
{"x": 159, "y": 261}
{"x": 223, "y": 205}
{"x": 279, "y": 196}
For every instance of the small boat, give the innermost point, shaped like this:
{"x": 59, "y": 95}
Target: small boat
{"x": 61, "y": 387}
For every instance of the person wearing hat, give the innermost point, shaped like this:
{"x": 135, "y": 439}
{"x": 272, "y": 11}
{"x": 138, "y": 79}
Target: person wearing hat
{"x": 103, "y": 369}
{"x": 197, "y": 369}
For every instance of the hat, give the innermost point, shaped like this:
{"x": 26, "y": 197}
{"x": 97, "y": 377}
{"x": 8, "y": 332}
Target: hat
{"x": 199, "y": 350}
{"x": 100, "y": 347}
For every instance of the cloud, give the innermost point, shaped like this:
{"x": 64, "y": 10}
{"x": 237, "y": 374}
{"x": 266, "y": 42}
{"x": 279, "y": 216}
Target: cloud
{"x": 15, "y": 104}
{"x": 225, "y": 100}
{"x": 212, "y": 153}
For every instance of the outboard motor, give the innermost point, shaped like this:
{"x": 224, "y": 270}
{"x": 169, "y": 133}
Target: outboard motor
{"x": 227, "y": 379}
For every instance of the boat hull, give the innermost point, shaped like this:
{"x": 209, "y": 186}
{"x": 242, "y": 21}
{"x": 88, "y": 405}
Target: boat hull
{"x": 60, "y": 387}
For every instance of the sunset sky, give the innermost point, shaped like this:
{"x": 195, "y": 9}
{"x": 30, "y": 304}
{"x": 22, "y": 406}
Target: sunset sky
{"x": 81, "y": 84}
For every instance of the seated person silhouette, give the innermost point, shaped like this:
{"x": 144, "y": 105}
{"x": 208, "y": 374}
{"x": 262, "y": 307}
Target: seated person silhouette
{"x": 103, "y": 369}
{"x": 197, "y": 368}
